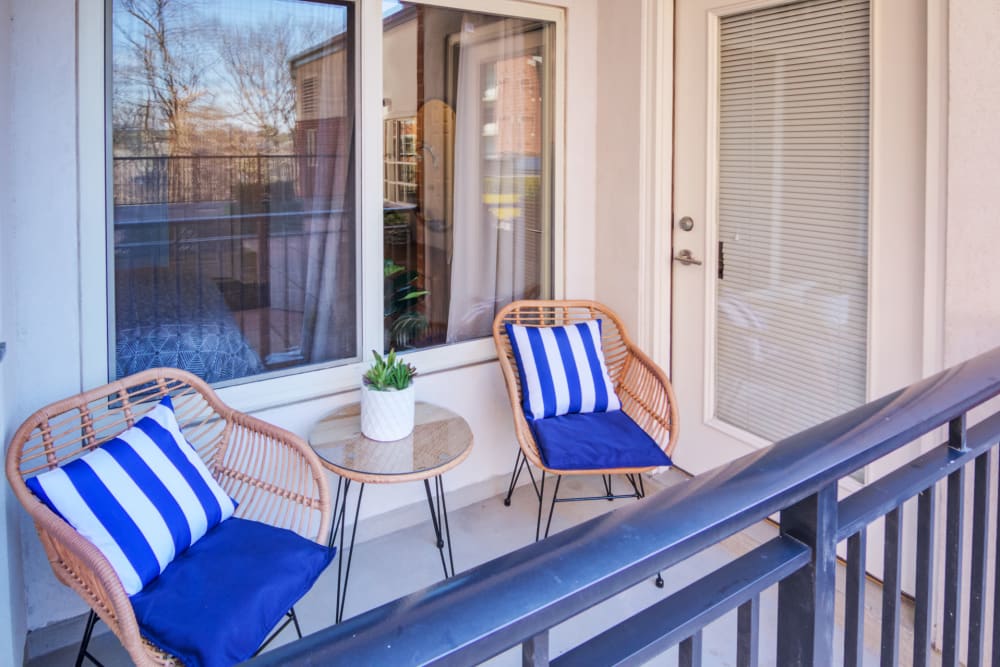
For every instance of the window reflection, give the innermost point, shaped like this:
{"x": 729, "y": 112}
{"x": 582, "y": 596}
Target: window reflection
{"x": 467, "y": 170}
{"x": 233, "y": 207}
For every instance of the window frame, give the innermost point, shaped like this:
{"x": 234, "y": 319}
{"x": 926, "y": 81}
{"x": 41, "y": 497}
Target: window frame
{"x": 294, "y": 385}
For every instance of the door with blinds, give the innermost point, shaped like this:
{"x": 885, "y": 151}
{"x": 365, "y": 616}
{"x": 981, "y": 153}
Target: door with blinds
{"x": 771, "y": 239}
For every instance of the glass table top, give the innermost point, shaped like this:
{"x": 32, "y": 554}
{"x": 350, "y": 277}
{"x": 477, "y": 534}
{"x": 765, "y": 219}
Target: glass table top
{"x": 440, "y": 440}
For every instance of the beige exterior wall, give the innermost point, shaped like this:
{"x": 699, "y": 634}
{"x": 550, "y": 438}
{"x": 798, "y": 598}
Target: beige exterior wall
{"x": 618, "y": 133}
{"x": 12, "y": 615}
{"x": 972, "y": 279}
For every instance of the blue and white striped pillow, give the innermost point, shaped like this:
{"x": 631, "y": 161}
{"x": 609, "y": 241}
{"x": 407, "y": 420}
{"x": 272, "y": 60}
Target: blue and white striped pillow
{"x": 141, "y": 498}
{"x": 562, "y": 369}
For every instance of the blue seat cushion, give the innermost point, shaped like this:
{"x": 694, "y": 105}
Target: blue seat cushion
{"x": 216, "y": 603}
{"x": 595, "y": 441}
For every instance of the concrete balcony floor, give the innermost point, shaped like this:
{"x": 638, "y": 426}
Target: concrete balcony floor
{"x": 391, "y": 561}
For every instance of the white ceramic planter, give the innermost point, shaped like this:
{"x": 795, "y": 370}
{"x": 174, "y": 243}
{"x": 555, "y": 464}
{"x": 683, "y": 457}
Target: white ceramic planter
{"x": 387, "y": 415}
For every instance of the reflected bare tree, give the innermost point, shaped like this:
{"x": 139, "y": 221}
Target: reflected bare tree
{"x": 255, "y": 61}
{"x": 168, "y": 64}
{"x": 204, "y": 82}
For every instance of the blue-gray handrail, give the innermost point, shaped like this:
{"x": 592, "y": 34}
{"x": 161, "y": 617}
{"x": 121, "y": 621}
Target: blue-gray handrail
{"x": 507, "y": 601}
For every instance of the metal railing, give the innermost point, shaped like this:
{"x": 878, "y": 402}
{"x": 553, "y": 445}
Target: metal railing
{"x": 517, "y": 598}
{"x": 246, "y": 180}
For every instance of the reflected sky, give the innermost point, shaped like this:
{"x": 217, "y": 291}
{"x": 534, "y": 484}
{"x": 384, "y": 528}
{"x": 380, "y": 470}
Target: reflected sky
{"x": 390, "y": 7}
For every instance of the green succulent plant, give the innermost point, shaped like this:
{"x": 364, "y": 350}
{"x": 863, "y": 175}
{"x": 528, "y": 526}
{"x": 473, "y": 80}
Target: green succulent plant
{"x": 389, "y": 372}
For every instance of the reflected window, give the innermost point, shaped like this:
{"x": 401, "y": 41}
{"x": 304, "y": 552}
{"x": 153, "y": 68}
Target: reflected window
{"x": 467, "y": 217}
{"x": 233, "y": 208}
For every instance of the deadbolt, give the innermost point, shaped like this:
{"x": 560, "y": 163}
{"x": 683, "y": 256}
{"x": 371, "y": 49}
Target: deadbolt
{"x": 686, "y": 223}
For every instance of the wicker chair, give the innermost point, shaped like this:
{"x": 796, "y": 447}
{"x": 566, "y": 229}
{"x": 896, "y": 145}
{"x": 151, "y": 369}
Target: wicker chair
{"x": 642, "y": 387}
{"x": 273, "y": 474}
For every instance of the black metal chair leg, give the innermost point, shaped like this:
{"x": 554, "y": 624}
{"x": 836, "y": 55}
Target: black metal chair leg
{"x": 88, "y": 632}
{"x": 637, "y": 487}
{"x": 607, "y": 487}
{"x": 659, "y": 580}
{"x": 519, "y": 463}
{"x": 552, "y": 508}
{"x": 541, "y": 496}
{"x": 289, "y": 618}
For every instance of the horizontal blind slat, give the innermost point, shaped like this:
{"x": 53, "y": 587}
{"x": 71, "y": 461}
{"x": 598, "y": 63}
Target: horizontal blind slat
{"x": 799, "y": 45}
{"x": 808, "y": 93}
{"x": 791, "y": 332}
{"x": 826, "y": 23}
{"x": 817, "y": 8}
{"x": 817, "y": 56}
{"x": 777, "y": 42}
{"x": 855, "y": 107}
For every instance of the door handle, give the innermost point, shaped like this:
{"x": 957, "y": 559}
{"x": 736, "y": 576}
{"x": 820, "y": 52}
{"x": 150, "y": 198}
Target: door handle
{"x": 685, "y": 257}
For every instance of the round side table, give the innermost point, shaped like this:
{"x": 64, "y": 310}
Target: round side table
{"x": 440, "y": 441}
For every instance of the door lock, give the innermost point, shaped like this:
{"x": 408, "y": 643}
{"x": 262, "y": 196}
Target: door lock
{"x": 685, "y": 257}
{"x": 686, "y": 223}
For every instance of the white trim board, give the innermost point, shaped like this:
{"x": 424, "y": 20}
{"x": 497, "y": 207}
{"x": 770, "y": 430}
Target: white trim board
{"x": 656, "y": 179}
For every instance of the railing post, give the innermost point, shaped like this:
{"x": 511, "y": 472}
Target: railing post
{"x": 806, "y": 599}
{"x": 690, "y": 651}
{"x": 748, "y": 633}
{"x": 954, "y": 549}
{"x": 854, "y": 607}
{"x": 535, "y": 651}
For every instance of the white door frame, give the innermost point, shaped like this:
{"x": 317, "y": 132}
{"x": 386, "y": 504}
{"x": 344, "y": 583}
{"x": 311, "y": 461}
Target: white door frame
{"x": 656, "y": 147}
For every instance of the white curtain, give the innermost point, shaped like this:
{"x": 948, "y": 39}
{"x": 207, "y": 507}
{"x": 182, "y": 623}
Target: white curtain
{"x": 490, "y": 239}
{"x": 329, "y": 314}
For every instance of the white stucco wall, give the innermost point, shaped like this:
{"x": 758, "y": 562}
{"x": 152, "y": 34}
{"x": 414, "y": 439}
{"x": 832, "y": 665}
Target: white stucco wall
{"x": 972, "y": 301}
{"x": 45, "y": 357}
{"x": 52, "y": 223}
{"x": 12, "y": 614}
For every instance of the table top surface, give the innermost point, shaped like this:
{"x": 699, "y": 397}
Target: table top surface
{"x": 440, "y": 441}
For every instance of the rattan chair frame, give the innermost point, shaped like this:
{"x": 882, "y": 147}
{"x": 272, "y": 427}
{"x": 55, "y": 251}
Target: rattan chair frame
{"x": 642, "y": 386}
{"x": 645, "y": 392}
{"x": 273, "y": 474}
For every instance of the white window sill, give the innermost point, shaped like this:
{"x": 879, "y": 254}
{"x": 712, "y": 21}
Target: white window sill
{"x": 254, "y": 396}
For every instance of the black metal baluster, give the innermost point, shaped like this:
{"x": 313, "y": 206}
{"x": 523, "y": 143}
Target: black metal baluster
{"x": 854, "y": 610}
{"x": 689, "y": 651}
{"x": 953, "y": 549}
{"x": 891, "y": 587}
{"x": 977, "y": 590}
{"x": 996, "y": 581}
{"x": 535, "y": 651}
{"x": 925, "y": 577}
{"x": 806, "y": 599}
{"x": 748, "y": 633}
